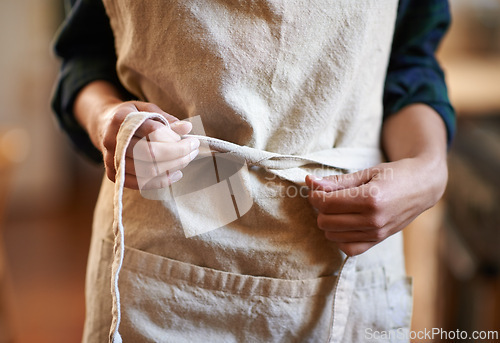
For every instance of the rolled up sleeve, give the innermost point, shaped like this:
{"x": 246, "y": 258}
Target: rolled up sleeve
{"x": 414, "y": 74}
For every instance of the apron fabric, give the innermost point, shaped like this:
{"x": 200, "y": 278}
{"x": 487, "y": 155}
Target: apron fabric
{"x": 287, "y": 79}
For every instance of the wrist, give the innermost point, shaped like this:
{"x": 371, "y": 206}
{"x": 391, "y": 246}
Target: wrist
{"x": 90, "y": 108}
{"x": 431, "y": 172}
{"x": 98, "y": 119}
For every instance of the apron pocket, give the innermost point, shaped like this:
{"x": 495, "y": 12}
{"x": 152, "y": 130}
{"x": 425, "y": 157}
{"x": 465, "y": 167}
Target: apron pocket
{"x": 165, "y": 300}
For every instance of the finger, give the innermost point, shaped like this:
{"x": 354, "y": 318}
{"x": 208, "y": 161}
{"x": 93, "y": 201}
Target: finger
{"x": 162, "y": 135}
{"x": 132, "y": 182}
{"x": 143, "y": 150}
{"x": 150, "y": 107}
{"x": 109, "y": 164}
{"x": 181, "y": 127}
{"x": 337, "y": 182}
{"x": 342, "y": 201}
{"x": 153, "y": 169}
{"x": 374, "y": 224}
{"x": 342, "y": 222}
{"x": 163, "y": 181}
{"x": 156, "y": 130}
{"x": 159, "y": 182}
{"x": 111, "y": 173}
{"x": 350, "y": 237}
{"x": 353, "y": 249}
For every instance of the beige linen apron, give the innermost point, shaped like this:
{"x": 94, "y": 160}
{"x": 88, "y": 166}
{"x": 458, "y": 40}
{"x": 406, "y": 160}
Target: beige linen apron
{"x": 287, "y": 77}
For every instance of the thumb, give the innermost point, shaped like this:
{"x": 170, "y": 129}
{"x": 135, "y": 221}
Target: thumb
{"x": 334, "y": 183}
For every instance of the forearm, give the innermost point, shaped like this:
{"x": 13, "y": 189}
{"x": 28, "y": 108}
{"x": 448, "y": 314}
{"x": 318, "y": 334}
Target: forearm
{"x": 417, "y": 133}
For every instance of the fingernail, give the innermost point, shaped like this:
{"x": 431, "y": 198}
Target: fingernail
{"x": 315, "y": 178}
{"x": 176, "y": 176}
{"x": 193, "y": 154}
{"x": 195, "y": 143}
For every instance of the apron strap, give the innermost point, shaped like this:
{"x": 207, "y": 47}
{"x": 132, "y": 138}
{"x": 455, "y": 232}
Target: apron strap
{"x": 342, "y": 296}
{"x": 127, "y": 130}
{"x": 340, "y": 158}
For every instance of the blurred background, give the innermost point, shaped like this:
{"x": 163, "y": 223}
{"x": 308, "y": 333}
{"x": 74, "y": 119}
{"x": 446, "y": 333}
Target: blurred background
{"x": 47, "y": 191}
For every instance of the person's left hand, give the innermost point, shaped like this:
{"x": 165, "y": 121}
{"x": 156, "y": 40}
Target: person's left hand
{"x": 362, "y": 209}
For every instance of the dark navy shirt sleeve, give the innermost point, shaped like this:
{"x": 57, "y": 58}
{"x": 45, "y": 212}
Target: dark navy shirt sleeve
{"x": 85, "y": 45}
{"x": 414, "y": 74}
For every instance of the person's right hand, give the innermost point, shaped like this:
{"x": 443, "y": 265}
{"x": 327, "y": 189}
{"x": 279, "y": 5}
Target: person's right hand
{"x": 151, "y": 163}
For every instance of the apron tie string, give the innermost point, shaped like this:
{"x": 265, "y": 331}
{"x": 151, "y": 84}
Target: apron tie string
{"x": 341, "y": 158}
{"x": 127, "y": 130}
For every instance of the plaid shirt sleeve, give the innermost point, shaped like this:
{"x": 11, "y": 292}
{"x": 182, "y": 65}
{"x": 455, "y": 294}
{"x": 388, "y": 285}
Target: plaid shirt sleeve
{"x": 85, "y": 44}
{"x": 414, "y": 74}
